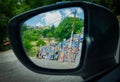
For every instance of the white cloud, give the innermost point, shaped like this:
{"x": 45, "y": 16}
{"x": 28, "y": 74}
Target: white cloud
{"x": 67, "y": 12}
{"x": 53, "y": 18}
{"x": 39, "y": 24}
{"x": 79, "y": 10}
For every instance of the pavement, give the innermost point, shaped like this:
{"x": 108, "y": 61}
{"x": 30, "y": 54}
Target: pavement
{"x": 53, "y": 64}
{"x": 11, "y": 70}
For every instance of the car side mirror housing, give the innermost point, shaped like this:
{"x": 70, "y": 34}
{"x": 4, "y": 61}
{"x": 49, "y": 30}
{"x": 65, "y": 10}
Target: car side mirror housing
{"x": 70, "y": 38}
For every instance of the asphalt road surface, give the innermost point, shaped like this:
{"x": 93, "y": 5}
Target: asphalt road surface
{"x": 11, "y": 70}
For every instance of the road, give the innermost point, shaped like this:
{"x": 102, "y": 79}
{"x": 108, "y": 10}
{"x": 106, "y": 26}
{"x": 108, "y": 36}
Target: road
{"x": 53, "y": 64}
{"x": 11, "y": 70}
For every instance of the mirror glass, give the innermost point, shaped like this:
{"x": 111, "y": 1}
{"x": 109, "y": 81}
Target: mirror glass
{"x": 54, "y": 39}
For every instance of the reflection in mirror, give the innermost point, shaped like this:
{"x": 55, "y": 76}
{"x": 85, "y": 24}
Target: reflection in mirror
{"x": 54, "y": 39}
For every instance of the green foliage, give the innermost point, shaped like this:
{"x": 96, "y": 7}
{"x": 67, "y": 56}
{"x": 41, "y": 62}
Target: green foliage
{"x": 44, "y": 33}
{"x": 5, "y": 14}
{"x": 49, "y": 34}
{"x": 20, "y": 7}
{"x": 27, "y": 45}
{"x": 30, "y": 34}
{"x": 10, "y": 8}
{"x": 65, "y": 28}
{"x": 3, "y": 30}
{"x": 38, "y": 3}
{"x": 31, "y": 40}
{"x": 52, "y": 29}
{"x": 6, "y": 7}
{"x": 40, "y": 42}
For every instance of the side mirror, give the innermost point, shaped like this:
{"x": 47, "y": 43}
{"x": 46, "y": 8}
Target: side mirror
{"x": 54, "y": 39}
{"x": 71, "y": 38}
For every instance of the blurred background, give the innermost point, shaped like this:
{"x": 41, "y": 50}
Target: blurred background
{"x": 11, "y": 70}
{"x": 10, "y": 8}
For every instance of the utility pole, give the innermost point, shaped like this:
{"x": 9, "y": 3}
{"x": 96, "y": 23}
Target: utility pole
{"x": 73, "y": 26}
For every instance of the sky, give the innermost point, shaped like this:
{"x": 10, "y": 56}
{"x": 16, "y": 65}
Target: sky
{"x": 54, "y": 17}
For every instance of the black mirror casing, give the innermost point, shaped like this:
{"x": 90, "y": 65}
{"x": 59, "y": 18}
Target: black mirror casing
{"x": 101, "y": 32}
{"x": 103, "y": 37}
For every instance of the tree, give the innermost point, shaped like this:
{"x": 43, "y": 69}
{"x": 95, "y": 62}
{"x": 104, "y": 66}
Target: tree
{"x": 44, "y": 32}
{"x": 49, "y": 35}
{"x": 27, "y": 45}
{"x": 20, "y": 7}
{"x": 7, "y": 10}
{"x": 5, "y": 14}
{"x": 10, "y": 8}
{"x": 3, "y": 28}
{"x": 40, "y": 42}
{"x": 52, "y": 29}
{"x": 65, "y": 28}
